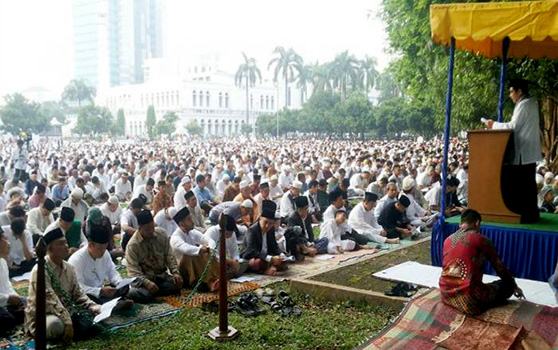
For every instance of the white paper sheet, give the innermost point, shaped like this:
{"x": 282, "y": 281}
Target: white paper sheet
{"x": 428, "y": 276}
{"x": 243, "y": 279}
{"x": 106, "y": 310}
{"x": 324, "y": 257}
{"x": 124, "y": 282}
{"x": 25, "y": 277}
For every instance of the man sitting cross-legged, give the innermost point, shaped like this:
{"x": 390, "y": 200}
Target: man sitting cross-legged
{"x": 149, "y": 256}
{"x": 93, "y": 265}
{"x": 260, "y": 246}
{"x": 461, "y": 280}
{"x": 299, "y": 234}
{"x": 235, "y": 265}
{"x": 62, "y": 288}
{"x": 192, "y": 251}
{"x": 363, "y": 220}
{"x": 11, "y": 304}
{"x": 334, "y": 231}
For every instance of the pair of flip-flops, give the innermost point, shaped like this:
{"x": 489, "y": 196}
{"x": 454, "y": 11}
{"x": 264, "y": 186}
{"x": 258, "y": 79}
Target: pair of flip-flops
{"x": 247, "y": 305}
{"x": 402, "y": 289}
{"x": 283, "y": 305}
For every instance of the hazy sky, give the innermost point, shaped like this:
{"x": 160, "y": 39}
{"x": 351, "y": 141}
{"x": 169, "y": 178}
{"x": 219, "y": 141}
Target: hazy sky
{"x": 36, "y": 35}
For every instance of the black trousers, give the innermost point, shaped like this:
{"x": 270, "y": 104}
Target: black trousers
{"x": 519, "y": 191}
{"x": 498, "y": 293}
{"x": 355, "y": 237}
{"x": 24, "y": 267}
{"x": 10, "y": 317}
{"x": 137, "y": 295}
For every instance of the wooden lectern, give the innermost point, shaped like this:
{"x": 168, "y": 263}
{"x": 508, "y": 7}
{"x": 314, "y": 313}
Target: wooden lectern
{"x": 487, "y": 153}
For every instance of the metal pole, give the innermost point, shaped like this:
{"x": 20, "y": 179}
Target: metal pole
{"x": 223, "y": 332}
{"x": 40, "y": 312}
{"x": 447, "y": 130}
{"x": 503, "y": 65}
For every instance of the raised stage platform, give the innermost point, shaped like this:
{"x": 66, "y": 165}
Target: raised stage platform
{"x": 530, "y": 251}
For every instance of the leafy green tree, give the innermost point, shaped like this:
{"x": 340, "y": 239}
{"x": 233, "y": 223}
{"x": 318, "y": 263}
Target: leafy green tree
{"x": 193, "y": 127}
{"x": 78, "y": 91}
{"x": 322, "y": 78}
{"x": 120, "y": 124}
{"x": 305, "y": 77}
{"x": 19, "y": 114}
{"x": 286, "y": 63}
{"x": 344, "y": 71}
{"x": 246, "y": 128}
{"x": 167, "y": 125}
{"x": 248, "y": 72}
{"x": 354, "y": 115}
{"x": 93, "y": 120}
{"x": 53, "y": 110}
{"x": 151, "y": 122}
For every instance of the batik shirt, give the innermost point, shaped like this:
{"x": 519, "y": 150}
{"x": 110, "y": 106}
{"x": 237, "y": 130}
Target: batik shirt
{"x": 461, "y": 281}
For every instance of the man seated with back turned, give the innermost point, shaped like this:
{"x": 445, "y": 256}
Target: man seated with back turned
{"x": 461, "y": 280}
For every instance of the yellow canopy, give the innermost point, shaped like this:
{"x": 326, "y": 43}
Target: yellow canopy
{"x": 532, "y": 27}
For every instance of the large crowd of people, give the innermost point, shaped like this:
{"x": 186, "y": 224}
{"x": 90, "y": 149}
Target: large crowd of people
{"x": 159, "y": 208}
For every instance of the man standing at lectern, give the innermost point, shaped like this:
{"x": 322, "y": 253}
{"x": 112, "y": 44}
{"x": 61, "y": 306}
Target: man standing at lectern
{"x": 527, "y": 146}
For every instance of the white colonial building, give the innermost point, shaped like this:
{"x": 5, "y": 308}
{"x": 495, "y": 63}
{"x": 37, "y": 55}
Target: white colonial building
{"x": 196, "y": 91}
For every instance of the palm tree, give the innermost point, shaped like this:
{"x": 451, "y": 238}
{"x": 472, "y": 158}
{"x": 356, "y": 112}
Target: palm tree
{"x": 77, "y": 91}
{"x": 249, "y": 73}
{"x": 321, "y": 77}
{"x": 286, "y": 63}
{"x": 368, "y": 73}
{"x": 345, "y": 71}
{"x": 305, "y": 76}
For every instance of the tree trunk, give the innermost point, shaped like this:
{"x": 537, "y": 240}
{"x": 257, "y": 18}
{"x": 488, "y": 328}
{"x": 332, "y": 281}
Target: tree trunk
{"x": 549, "y": 133}
{"x": 286, "y": 90}
{"x": 247, "y": 104}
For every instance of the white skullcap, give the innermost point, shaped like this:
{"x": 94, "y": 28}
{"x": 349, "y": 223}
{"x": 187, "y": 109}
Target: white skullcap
{"x": 548, "y": 175}
{"x": 77, "y": 193}
{"x": 273, "y": 178}
{"x": 297, "y": 184}
{"x": 244, "y": 184}
{"x": 247, "y": 204}
{"x": 185, "y": 180}
{"x": 408, "y": 183}
{"x": 113, "y": 200}
{"x": 172, "y": 212}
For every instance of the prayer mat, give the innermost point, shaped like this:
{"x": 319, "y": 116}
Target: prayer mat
{"x": 427, "y": 324}
{"x": 199, "y": 299}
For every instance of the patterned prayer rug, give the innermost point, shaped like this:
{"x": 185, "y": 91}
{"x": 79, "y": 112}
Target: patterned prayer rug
{"x": 199, "y": 299}
{"x": 426, "y": 324}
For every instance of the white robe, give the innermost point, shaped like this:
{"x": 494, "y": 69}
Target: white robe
{"x": 365, "y": 223}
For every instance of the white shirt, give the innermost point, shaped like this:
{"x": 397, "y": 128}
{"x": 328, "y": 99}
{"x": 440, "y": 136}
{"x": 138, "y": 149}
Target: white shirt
{"x": 122, "y": 188}
{"x": 365, "y": 222}
{"x": 114, "y": 216}
{"x": 332, "y": 232}
{"x": 286, "y": 180}
{"x": 19, "y": 157}
{"x": 286, "y": 207}
{"x": 188, "y": 244}
{"x": 16, "y": 245}
{"x": 274, "y": 192}
{"x": 96, "y": 191}
{"x": 525, "y": 124}
{"x": 329, "y": 215}
{"x": 56, "y": 224}
{"x": 141, "y": 190}
{"x": 6, "y": 288}
{"x": 221, "y": 187}
{"x": 179, "y": 200}
{"x": 37, "y": 223}
{"x": 212, "y": 234}
{"x": 92, "y": 273}
{"x": 128, "y": 220}
{"x": 161, "y": 221}
{"x": 414, "y": 210}
{"x": 138, "y": 181}
{"x": 81, "y": 209}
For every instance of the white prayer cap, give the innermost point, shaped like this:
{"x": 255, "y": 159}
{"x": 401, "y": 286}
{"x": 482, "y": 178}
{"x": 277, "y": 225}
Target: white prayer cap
{"x": 408, "y": 183}
{"x": 226, "y": 178}
{"x": 366, "y": 169}
{"x": 287, "y": 168}
{"x": 244, "y": 184}
{"x": 297, "y": 184}
{"x": 86, "y": 174}
{"x": 539, "y": 179}
{"x": 113, "y": 200}
{"x": 273, "y": 178}
{"x": 185, "y": 180}
{"x": 77, "y": 193}
{"x": 307, "y": 168}
{"x": 338, "y": 176}
{"x": 247, "y": 204}
{"x": 548, "y": 176}
{"x": 172, "y": 212}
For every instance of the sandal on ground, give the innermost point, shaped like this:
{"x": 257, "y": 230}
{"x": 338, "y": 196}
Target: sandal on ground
{"x": 273, "y": 303}
{"x": 402, "y": 289}
{"x": 289, "y": 306}
{"x": 245, "y": 308}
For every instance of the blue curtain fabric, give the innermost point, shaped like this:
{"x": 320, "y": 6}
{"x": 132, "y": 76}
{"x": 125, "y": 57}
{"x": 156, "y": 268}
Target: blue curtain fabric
{"x": 527, "y": 254}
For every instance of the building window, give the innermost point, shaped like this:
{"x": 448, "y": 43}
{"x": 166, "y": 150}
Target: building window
{"x": 267, "y": 102}
{"x": 220, "y": 100}
{"x": 272, "y": 102}
{"x": 251, "y": 102}
{"x": 207, "y": 98}
{"x": 201, "y": 98}
{"x": 261, "y": 102}
{"x": 194, "y": 98}
{"x": 226, "y": 100}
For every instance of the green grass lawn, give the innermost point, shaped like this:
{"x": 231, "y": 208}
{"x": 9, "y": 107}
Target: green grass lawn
{"x": 322, "y": 325}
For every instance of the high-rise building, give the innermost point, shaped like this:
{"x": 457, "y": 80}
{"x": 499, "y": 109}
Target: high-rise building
{"x": 112, "y": 38}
